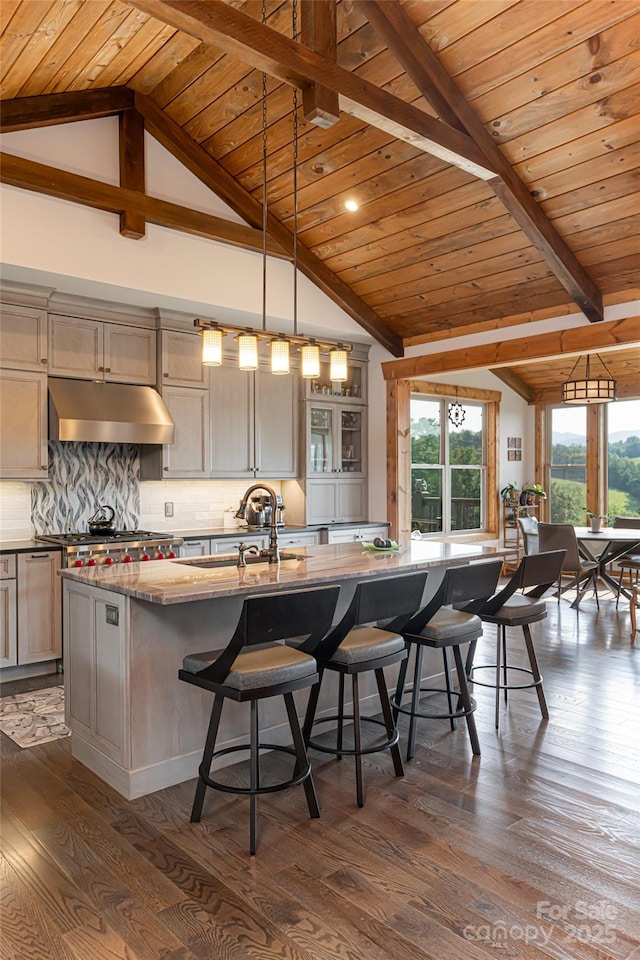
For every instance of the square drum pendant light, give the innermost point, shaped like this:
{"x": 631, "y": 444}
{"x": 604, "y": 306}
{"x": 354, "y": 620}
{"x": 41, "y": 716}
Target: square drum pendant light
{"x": 589, "y": 389}
{"x": 212, "y": 347}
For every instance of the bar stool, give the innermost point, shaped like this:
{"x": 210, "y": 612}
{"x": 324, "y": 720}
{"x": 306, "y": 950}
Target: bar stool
{"x": 441, "y": 626}
{"x": 540, "y": 571}
{"x": 270, "y": 669}
{"x": 352, "y": 648}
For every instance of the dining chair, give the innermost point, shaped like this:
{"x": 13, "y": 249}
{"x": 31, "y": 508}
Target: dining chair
{"x": 628, "y": 561}
{"x": 529, "y": 530}
{"x": 562, "y": 536}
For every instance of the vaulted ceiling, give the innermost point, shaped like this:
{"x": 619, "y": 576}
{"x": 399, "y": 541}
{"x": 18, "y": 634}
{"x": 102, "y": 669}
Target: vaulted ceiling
{"x": 493, "y": 147}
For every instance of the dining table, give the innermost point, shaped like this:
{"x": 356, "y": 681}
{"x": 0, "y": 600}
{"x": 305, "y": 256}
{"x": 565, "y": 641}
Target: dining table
{"x": 606, "y": 546}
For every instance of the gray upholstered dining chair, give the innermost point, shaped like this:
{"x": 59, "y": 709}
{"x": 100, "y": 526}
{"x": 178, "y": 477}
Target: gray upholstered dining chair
{"x": 628, "y": 561}
{"x": 562, "y": 536}
{"x": 529, "y": 530}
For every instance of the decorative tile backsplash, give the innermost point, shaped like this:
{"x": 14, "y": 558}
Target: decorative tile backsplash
{"x": 82, "y": 476}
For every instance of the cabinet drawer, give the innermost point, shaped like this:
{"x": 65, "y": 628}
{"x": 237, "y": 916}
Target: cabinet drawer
{"x": 298, "y": 539}
{"x": 230, "y": 544}
{"x": 8, "y": 567}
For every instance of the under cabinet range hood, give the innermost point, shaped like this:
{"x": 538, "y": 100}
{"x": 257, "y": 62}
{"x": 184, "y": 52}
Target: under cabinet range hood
{"x": 99, "y": 412}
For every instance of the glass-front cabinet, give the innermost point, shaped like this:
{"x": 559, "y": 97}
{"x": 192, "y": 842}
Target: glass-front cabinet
{"x": 335, "y": 439}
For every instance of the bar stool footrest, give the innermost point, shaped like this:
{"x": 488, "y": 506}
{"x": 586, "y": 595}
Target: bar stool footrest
{"x": 345, "y": 751}
{"x": 454, "y": 715}
{"x": 505, "y": 686}
{"x": 248, "y": 791}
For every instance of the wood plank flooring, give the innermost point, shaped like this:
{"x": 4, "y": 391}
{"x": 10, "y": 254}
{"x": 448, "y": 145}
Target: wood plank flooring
{"x": 531, "y": 851}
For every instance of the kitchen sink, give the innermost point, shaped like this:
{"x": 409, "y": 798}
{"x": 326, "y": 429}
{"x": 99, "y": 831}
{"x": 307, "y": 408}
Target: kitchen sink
{"x": 231, "y": 560}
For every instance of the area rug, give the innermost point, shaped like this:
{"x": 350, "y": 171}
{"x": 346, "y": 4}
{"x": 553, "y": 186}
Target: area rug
{"x": 33, "y": 718}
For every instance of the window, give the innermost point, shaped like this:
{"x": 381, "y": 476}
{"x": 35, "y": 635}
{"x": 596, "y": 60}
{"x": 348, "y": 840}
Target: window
{"x": 447, "y": 467}
{"x": 568, "y": 465}
{"x": 623, "y": 458}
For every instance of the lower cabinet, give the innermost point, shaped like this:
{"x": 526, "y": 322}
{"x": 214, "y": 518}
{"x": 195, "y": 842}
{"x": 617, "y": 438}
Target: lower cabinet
{"x": 230, "y": 544}
{"x": 31, "y": 628}
{"x": 196, "y": 548}
{"x": 298, "y": 539}
{"x": 354, "y": 534}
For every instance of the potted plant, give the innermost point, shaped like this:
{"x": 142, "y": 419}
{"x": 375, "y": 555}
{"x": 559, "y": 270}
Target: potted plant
{"x": 530, "y": 492}
{"x": 510, "y": 493}
{"x": 596, "y": 520}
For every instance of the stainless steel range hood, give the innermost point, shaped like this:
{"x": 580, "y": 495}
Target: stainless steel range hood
{"x": 107, "y": 413}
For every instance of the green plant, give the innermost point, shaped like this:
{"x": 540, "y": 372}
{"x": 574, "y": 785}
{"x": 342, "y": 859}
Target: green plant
{"x": 510, "y": 492}
{"x": 596, "y": 516}
{"x": 535, "y": 490}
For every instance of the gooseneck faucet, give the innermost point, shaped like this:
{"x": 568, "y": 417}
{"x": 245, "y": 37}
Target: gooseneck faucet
{"x": 273, "y": 552}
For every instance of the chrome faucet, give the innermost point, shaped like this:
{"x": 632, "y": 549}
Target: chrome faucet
{"x": 273, "y": 552}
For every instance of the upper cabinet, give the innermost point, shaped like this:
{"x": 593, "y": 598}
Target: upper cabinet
{"x": 179, "y": 361}
{"x": 352, "y": 391}
{"x": 98, "y": 350}
{"x": 23, "y": 338}
{"x": 23, "y": 425}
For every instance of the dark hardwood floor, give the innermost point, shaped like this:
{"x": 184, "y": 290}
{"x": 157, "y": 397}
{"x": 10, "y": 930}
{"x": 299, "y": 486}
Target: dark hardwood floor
{"x": 531, "y": 851}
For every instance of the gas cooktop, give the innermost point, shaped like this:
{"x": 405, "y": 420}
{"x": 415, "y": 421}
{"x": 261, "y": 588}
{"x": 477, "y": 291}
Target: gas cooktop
{"x": 117, "y": 535}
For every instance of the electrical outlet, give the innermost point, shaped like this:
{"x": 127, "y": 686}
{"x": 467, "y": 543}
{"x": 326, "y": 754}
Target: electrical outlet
{"x": 168, "y": 508}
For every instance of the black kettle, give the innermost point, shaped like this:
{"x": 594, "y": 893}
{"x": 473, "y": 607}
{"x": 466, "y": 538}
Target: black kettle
{"x": 100, "y": 522}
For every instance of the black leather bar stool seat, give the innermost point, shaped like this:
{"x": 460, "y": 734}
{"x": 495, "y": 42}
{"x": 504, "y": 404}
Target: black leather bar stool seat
{"x": 510, "y": 609}
{"x": 253, "y": 667}
{"x": 440, "y": 626}
{"x": 354, "y": 647}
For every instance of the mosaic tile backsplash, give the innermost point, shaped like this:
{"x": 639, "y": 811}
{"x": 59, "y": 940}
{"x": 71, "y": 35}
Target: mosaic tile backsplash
{"x": 82, "y": 476}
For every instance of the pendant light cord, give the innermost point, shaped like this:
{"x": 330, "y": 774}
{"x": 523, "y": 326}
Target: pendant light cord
{"x": 264, "y": 185}
{"x": 294, "y": 24}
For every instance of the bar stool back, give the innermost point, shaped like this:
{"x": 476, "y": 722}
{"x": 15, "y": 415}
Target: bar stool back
{"x": 628, "y": 561}
{"x": 539, "y": 571}
{"x": 441, "y": 626}
{"x": 352, "y": 648}
{"x": 253, "y": 667}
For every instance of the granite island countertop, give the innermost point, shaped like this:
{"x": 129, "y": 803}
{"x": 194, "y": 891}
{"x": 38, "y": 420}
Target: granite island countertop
{"x": 184, "y": 580}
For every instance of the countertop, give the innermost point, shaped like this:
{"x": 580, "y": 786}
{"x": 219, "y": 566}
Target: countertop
{"x": 180, "y": 581}
{"x": 287, "y": 528}
{"x": 26, "y": 546}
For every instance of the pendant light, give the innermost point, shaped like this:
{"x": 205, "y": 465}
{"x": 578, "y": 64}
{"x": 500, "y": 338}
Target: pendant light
{"x": 589, "y": 389}
{"x": 280, "y": 362}
{"x": 212, "y": 347}
{"x": 338, "y": 364}
{"x": 247, "y": 350}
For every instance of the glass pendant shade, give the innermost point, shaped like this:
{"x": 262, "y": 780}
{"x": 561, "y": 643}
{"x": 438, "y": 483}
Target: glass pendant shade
{"x": 338, "y": 364}
{"x": 247, "y": 351}
{"x": 280, "y": 355}
{"x": 310, "y": 360}
{"x": 212, "y": 348}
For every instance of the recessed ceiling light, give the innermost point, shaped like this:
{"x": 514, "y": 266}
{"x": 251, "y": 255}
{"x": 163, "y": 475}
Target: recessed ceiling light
{"x": 351, "y": 205}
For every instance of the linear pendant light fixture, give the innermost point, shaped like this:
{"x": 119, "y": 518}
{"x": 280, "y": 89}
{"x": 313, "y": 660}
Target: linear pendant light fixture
{"x": 280, "y": 344}
{"x": 589, "y": 389}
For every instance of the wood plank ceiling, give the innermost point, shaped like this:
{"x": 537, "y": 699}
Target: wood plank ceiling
{"x": 432, "y": 250}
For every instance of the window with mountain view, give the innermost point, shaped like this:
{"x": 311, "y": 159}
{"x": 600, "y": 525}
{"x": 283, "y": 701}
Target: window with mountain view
{"x": 568, "y": 468}
{"x": 447, "y": 467}
{"x": 623, "y": 458}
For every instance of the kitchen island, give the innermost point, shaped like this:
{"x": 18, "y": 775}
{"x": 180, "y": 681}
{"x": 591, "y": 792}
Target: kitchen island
{"x": 127, "y": 628}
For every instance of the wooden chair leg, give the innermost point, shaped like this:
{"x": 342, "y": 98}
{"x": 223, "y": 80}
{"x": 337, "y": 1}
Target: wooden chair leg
{"x": 388, "y": 722}
{"x": 210, "y": 743}
{"x": 544, "y": 710}
{"x": 301, "y": 754}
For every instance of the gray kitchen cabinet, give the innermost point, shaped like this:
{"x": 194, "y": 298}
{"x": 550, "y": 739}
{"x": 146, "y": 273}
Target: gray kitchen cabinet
{"x": 196, "y": 548}
{"x": 39, "y": 620}
{"x": 23, "y": 338}
{"x": 356, "y": 534}
{"x": 180, "y": 360}
{"x": 254, "y": 419}
{"x": 334, "y": 500}
{"x": 188, "y": 456}
{"x": 23, "y": 425}
{"x": 307, "y": 539}
{"x": 8, "y": 619}
{"x": 97, "y": 350}
{"x": 230, "y": 544}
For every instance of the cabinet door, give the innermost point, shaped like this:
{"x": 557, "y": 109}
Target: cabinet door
{"x": 23, "y": 425}
{"x": 8, "y": 635}
{"x": 187, "y": 456}
{"x": 129, "y": 354}
{"x": 321, "y": 439}
{"x": 39, "y": 612}
{"x": 322, "y": 501}
{"x": 276, "y": 424}
{"x": 352, "y": 500}
{"x": 23, "y": 338}
{"x": 232, "y": 437}
{"x": 181, "y": 359}
{"x": 352, "y": 433}
{"x": 75, "y": 348}
{"x": 195, "y": 548}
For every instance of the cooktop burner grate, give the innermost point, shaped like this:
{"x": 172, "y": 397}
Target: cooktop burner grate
{"x": 117, "y": 536}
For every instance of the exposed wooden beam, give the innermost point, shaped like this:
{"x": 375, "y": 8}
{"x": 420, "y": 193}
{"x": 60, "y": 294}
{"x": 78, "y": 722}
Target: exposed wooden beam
{"x": 23, "y": 113}
{"x": 244, "y": 38}
{"x": 211, "y": 173}
{"x": 132, "y": 169}
{"x": 430, "y": 388}
{"x": 511, "y": 379}
{"x": 609, "y": 335}
{"x": 421, "y": 64}
{"x": 40, "y": 178}
{"x": 319, "y": 32}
